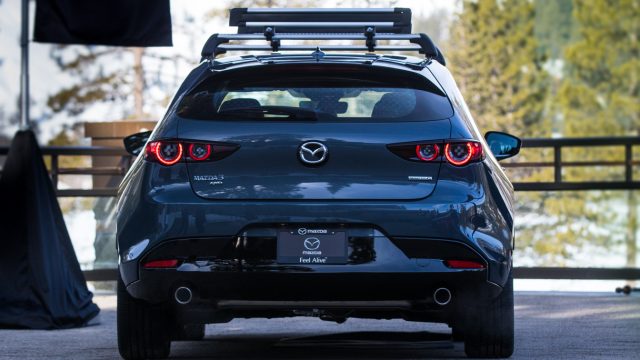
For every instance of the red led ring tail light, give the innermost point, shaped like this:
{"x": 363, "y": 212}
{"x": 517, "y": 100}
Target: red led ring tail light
{"x": 422, "y": 157}
{"x": 473, "y": 151}
{"x": 155, "y": 149}
{"x": 199, "y": 158}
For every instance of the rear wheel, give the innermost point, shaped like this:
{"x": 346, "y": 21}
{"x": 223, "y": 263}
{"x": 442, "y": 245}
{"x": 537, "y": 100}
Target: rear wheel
{"x": 457, "y": 334}
{"x": 489, "y": 330}
{"x": 143, "y": 328}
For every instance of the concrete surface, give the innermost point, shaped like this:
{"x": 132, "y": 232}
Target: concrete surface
{"x": 548, "y": 326}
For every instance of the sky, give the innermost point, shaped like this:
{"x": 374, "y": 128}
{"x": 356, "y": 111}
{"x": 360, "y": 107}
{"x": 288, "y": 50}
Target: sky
{"x": 47, "y": 78}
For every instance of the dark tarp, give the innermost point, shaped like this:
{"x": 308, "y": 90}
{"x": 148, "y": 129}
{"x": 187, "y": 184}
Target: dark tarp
{"x": 41, "y": 284}
{"x": 104, "y": 22}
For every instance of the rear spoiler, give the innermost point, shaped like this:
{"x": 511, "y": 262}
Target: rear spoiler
{"x": 368, "y": 25}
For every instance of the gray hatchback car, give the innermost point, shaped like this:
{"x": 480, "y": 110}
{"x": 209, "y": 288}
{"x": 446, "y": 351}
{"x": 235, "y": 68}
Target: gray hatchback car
{"x": 309, "y": 182}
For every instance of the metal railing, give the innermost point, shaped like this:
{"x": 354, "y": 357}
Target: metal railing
{"x": 628, "y": 182}
{"x": 558, "y": 164}
{"x": 54, "y": 153}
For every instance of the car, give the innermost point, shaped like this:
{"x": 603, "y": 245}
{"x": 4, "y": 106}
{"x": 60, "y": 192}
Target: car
{"x": 309, "y": 181}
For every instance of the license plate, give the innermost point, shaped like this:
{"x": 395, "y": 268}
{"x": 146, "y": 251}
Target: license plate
{"x": 312, "y": 246}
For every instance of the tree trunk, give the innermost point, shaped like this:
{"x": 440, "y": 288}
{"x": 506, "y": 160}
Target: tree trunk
{"x": 138, "y": 83}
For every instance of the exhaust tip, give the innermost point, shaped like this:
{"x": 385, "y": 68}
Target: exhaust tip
{"x": 183, "y": 295}
{"x": 442, "y": 296}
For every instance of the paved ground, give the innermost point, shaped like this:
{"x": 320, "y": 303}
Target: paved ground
{"x": 548, "y": 326}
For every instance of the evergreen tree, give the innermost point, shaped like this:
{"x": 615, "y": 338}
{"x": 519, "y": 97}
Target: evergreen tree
{"x": 553, "y": 27}
{"x": 594, "y": 93}
{"x": 495, "y": 61}
{"x": 601, "y": 93}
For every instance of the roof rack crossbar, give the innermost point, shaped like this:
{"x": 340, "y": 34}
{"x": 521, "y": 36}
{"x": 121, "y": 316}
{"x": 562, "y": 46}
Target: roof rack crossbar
{"x": 319, "y": 10}
{"x": 323, "y": 25}
{"x": 275, "y": 25}
{"x": 235, "y": 47}
{"x": 351, "y": 36}
{"x": 219, "y": 43}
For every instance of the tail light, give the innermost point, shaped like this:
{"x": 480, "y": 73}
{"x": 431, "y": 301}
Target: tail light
{"x": 464, "y": 264}
{"x": 165, "y": 152}
{"x": 170, "y": 152}
{"x": 428, "y": 152}
{"x": 199, "y": 152}
{"x": 458, "y": 153}
{"x": 161, "y": 264}
{"x": 462, "y": 153}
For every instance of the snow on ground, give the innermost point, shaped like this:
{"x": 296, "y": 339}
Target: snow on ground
{"x": 82, "y": 230}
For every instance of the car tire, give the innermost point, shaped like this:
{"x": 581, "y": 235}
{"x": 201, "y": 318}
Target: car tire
{"x": 489, "y": 330}
{"x": 189, "y": 332}
{"x": 143, "y": 328}
{"x": 457, "y": 333}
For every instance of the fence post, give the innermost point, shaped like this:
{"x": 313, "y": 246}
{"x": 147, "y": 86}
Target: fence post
{"x": 557, "y": 164}
{"x": 54, "y": 171}
{"x": 628, "y": 163}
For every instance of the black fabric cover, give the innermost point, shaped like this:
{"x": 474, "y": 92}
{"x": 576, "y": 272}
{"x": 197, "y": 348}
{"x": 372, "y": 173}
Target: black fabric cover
{"x": 42, "y": 286}
{"x": 104, "y": 22}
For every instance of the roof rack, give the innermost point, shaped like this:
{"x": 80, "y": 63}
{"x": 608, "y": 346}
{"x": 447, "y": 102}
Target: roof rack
{"x": 368, "y": 25}
{"x": 324, "y": 20}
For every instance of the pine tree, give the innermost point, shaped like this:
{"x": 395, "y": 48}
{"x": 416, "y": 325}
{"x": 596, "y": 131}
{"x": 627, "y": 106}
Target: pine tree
{"x": 554, "y": 28}
{"x": 594, "y": 93}
{"x": 495, "y": 61}
{"x": 601, "y": 93}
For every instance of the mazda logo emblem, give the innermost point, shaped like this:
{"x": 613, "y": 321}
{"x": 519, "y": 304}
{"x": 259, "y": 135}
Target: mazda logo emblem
{"x": 302, "y": 231}
{"x": 313, "y": 152}
{"x": 311, "y": 243}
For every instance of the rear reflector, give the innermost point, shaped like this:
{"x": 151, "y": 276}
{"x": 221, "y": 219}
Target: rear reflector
{"x": 464, "y": 264}
{"x": 161, "y": 264}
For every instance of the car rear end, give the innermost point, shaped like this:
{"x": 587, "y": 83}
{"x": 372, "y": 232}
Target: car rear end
{"x": 335, "y": 189}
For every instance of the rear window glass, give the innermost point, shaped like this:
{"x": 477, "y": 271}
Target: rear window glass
{"x": 305, "y": 96}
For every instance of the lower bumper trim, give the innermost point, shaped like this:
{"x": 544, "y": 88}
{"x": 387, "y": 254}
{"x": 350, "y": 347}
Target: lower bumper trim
{"x": 250, "y": 304}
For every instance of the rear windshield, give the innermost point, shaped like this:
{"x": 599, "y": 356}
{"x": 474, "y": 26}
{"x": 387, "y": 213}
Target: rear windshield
{"x": 319, "y": 97}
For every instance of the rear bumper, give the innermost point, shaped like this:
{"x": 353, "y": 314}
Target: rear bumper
{"x": 245, "y": 268}
{"x": 418, "y": 287}
{"x": 466, "y": 223}
{"x": 221, "y": 297}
